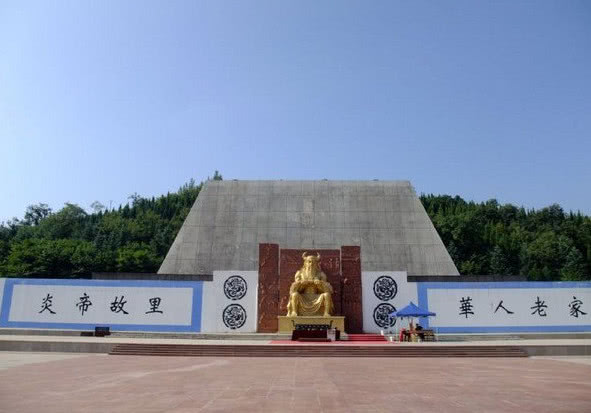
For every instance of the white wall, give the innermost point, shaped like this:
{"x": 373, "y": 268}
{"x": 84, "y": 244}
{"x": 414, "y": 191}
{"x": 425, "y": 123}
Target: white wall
{"x": 230, "y": 302}
{"x": 27, "y": 305}
{"x": 374, "y": 297}
{"x": 200, "y": 306}
{"x": 446, "y": 302}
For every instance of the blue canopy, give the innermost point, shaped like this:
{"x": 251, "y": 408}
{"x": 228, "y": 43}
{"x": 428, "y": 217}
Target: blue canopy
{"x": 411, "y": 310}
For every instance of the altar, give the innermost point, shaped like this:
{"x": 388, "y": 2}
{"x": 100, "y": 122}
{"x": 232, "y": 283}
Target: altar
{"x": 287, "y": 324}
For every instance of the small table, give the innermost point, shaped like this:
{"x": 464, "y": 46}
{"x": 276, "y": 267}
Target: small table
{"x": 424, "y": 335}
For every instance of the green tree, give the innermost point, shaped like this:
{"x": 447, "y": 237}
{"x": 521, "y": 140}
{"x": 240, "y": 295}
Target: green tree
{"x": 545, "y": 256}
{"x": 35, "y": 213}
{"x": 97, "y": 207}
{"x": 84, "y": 259}
{"x": 574, "y": 266}
{"x": 137, "y": 257}
{"x": 499, "y": 264}
{"x": 67, "y": 223}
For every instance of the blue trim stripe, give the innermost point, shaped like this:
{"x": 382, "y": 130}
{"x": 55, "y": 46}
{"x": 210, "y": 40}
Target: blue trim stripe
{"x": 6, "y": 302}
{"x": 196, "y": 286}
{"x": 424, "y": 287}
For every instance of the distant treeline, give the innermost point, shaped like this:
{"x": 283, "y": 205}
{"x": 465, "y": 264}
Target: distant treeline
{"x": 482, "y": 238}
{"x": 72, "y": 243}
{"x": 488, "y": 238}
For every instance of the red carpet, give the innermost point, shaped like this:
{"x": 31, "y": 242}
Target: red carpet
{"x": 367, "y": 337}
{"x": 352, "y": 339}
{"x": 332, "y": 343}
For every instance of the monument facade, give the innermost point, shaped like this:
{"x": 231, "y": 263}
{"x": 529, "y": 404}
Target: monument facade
{"x": 266, "y": 226}
{"x": 256, "y": 256}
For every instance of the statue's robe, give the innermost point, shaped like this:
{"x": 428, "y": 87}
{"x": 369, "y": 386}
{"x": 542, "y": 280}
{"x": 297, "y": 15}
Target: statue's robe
{"x": 310, "y": 296}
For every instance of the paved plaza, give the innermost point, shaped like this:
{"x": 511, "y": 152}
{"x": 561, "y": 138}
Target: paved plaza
{"x": 54, "y": 382}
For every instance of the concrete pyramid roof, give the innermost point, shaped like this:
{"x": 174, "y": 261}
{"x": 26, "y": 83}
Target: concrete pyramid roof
{"x": 230, "y": 218}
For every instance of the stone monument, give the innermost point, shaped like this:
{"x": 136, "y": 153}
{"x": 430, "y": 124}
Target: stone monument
{"x": 266, "y": 226}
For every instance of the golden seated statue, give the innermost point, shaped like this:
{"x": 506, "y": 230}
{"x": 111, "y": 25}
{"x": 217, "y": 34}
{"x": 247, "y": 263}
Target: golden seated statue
{"x": 310, "y": 294}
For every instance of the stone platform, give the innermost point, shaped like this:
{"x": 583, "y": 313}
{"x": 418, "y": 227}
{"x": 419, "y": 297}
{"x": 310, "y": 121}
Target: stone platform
{"x": 287, "y": 324}
{"x": 69, "y": 344}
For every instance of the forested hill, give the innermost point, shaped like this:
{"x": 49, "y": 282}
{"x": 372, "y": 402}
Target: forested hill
{"x": 482, "y": 238}
{"x": 489, "y": 238}
{"x": 74, "y": 243}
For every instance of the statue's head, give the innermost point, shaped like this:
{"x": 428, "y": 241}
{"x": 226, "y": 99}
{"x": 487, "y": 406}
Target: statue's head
{"x": 311, "y": 262}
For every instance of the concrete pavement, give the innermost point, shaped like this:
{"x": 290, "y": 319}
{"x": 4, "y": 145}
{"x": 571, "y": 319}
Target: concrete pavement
{"x": 90, "y": 383}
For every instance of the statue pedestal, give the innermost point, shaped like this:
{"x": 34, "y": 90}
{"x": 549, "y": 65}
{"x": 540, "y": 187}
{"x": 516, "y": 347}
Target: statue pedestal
{"x": 287, "y": 324}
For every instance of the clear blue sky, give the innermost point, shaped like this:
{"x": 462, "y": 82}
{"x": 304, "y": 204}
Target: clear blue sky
{"x": 99, "y": 100}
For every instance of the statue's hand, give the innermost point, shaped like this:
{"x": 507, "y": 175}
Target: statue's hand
{"x": 317, "y": 282}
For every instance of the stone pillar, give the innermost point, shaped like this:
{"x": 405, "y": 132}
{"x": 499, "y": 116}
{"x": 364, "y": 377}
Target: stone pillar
{"x": 268, "y": 297}
{"x": 352, "y": 305}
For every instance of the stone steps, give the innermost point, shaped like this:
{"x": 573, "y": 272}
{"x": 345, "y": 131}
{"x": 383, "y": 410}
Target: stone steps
{"x": 315, "y": 351}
